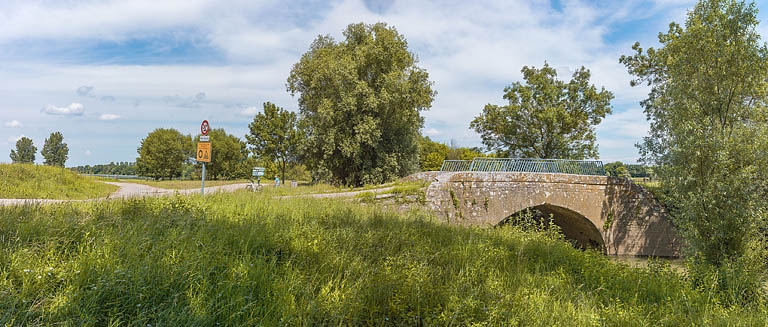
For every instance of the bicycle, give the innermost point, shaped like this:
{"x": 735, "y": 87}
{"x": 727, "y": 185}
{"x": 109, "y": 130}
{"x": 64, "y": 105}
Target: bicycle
{"x": 254, "y": 187}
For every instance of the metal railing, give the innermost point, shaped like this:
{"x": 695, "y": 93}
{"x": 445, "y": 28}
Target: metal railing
{"x": 577, "y": 167}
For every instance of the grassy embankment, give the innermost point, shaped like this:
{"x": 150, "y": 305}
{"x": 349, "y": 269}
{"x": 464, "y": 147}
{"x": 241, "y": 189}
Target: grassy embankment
{"x": 245, "y": 259}
{"x": 23, "y": 181}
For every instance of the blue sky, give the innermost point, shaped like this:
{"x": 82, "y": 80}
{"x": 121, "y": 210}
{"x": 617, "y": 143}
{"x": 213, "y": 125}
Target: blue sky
{"x": 106, "y": 73}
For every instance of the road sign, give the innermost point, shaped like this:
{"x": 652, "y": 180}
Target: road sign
{"x": 203, "y": 151}
{"x": 205, "y": 138}
{"x": 204, "y": 127}
{"x": 258, "y": 171}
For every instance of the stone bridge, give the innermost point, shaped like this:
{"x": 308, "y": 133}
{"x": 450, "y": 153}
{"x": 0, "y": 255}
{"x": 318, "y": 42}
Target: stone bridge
{"x": 607, "y": 213}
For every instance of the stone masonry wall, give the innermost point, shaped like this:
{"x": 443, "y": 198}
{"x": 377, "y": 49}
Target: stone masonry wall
{"x": 627, "y": 218}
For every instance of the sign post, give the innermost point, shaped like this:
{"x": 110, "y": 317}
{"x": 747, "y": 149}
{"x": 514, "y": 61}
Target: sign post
{"x": 203, "y": 153}
{"x": 258, "y": 172}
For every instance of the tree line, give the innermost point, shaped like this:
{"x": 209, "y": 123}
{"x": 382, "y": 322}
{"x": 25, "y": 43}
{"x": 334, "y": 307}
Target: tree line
{"x": 112, "y": 168}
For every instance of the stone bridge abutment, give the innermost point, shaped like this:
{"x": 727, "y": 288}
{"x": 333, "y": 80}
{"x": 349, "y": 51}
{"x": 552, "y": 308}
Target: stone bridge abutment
{"x": 608, "y": 213}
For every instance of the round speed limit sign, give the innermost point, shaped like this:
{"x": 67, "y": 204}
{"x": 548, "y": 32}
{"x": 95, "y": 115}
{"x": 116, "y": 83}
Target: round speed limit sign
{"x": 204, "y": 127}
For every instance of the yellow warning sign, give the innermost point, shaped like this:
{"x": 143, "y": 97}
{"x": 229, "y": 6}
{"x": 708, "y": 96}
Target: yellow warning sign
{"x": 203, "y": 151}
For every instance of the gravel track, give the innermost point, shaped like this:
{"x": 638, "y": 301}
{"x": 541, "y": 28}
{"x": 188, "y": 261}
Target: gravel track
{"x": 133, "y": 190}
{"x": 129, "y": 190}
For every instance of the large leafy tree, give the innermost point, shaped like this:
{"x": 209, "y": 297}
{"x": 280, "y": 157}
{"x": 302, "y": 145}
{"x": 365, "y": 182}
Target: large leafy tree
{"x": 546, "y": 117}
{"x": 228, "y": 154}
{"x": 359, "y": 102}
{"x": 163, "y": 153}
{"x": 25, "y": 151}
{"x": 55, "y": 151}
{"x": 274, "y": 136}
{"x": 708, "y": 136}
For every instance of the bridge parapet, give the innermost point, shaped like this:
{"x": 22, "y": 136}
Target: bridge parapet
{"x": 576, "y": 167}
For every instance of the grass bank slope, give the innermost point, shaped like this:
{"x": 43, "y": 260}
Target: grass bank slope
{"x": 243, "y": 259}
{"x": 25, "y": 181}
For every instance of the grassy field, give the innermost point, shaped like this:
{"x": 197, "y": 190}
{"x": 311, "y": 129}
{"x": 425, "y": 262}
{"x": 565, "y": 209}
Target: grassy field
{"x": 24, "y": 181}
{"x": 245, "y": 259}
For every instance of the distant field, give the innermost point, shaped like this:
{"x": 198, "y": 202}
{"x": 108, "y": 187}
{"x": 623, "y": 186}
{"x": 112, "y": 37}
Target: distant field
{"x": 246, "y": 259}
{"x": 25, "y": 181}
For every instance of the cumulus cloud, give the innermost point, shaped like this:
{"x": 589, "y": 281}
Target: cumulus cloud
{"x": 108, "y": 117}
{"x": 188, "y": 102}
{"x": 85, "y": 91}
{"x": 431, "y": 132}
{"x": 13, "y": 124}
{"x": 249, "y": 111}
{"x": 74, "y": 109}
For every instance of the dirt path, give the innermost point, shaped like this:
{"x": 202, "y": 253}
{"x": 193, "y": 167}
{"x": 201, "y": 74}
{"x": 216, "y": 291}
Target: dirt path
{"x": 131, "y": 190}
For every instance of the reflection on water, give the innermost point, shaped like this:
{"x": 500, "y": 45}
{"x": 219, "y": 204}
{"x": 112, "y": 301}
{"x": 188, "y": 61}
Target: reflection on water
{"x": 678, "y": 264}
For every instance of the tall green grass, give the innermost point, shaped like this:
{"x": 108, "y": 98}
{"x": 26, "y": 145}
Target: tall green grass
{"x": 244, "y": 259}
{"x": 26, "y": 181}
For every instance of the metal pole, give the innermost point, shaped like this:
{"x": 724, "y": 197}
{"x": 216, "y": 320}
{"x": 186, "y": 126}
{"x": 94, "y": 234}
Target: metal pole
{"x": 202, "y": 188}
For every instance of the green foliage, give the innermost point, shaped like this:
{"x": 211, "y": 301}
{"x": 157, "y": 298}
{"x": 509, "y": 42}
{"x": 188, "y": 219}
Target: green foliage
{"x": 546, "y": 117}
{"x": 163, "y": 152}
{"x": 431, "y": 154}
{"x": 112, "y": 168}
{"x": 709, "y": 136}
{"x": 246, "y": 260}
{"x": 228, "y": 154}
{"x": 432, "y": 162}
{"x": 359, "y": 101}
{"x": 616, "y": 169}
{"x": 55, "y": 151}
{"x": 27, "y": 181}
{"x": 25, "y": 151}
{"x": 636, "y": 170}
{"x": 274, "y": 136}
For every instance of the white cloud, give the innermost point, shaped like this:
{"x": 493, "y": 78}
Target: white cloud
{"x": 88, "y": 153}
{"x": 250, "y": 111}
{"x": 104, "y": 19}
{"x": 74, "y": 109}
{"x": 13, "y": 124}
{"x": 108, "y": 117}
{"x": 431, "y": 132}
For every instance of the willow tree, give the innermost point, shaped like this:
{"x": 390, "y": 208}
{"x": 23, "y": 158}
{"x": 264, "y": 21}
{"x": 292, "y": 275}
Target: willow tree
{"x": 546, "y": 117}
{"x": 360, "y": 101}
{"x": 709, "y": 137}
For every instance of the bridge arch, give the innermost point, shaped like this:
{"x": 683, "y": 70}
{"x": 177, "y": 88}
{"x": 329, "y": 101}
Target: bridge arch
{"x": 605, "y": 212}
{"x": 576, "y": 228}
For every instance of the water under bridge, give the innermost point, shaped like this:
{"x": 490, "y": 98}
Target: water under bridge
{"x": 610, "y": 214}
